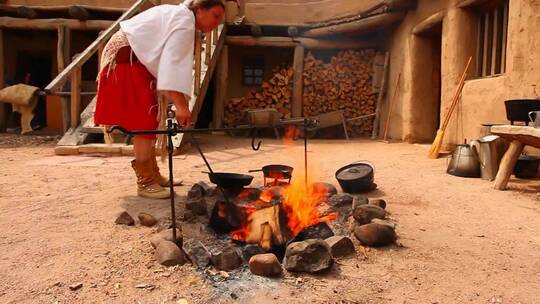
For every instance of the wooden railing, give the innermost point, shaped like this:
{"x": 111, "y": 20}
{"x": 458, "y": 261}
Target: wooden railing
{"x": 210, "y": 46}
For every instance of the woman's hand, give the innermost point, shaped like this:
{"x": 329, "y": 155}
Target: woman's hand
{"x": 183, "y": 115}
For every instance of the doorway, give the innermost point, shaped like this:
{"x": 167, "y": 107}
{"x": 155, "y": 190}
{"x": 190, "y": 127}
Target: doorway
{"x": 34, "y": 68}
{"x": 426, "y": 84}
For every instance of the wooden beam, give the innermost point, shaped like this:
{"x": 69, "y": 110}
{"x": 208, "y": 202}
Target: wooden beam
{"x": 382, "y": 94}
{"x": 208, "y": 48}
{"x": 3, "y": 109}
{"x": 52, "y": 24}
{"x": 221, "y": 87}
{"x": 298, "y": 85}
{"x": 26, "y": 12}
{"x": 504, "y": 38}
{"x": 62, "y": 77}
{"x": 494, "y": 45}
{"x": 369, "y": 24}
{"x": 312, "y": 43}
{"x": 508, "y": 163}
{"x": 63, "y": 56}
{"x": 79, "y": 12}
{"x": 469, "y": 3}
{"x": 198, "y": 62}
{"x": 76, "y": 86}
{"x": 262, "y": 41}
{"x": 429, "y": 23}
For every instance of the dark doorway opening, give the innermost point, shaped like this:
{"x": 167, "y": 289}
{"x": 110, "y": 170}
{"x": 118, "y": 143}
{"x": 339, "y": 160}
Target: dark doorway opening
{"x": 35, "y": 69}
{"x": 206, "y": 114}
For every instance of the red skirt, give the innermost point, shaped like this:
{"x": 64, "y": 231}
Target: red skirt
{"x": 126, "y": 97}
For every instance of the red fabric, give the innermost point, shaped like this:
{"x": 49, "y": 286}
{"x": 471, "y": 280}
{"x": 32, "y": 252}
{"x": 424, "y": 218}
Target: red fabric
{"x": 126, "y": 97}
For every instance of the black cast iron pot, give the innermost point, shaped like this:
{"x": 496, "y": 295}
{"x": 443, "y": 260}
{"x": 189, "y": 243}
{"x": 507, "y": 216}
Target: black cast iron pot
{"x": 356, "y": 177}
{"x": 518, "y": 109}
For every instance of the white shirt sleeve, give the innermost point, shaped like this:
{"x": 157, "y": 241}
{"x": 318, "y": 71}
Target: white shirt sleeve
{"x": 175, "y": 71}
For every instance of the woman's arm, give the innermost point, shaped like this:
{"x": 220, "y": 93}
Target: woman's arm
{"x": 183, "y": 115}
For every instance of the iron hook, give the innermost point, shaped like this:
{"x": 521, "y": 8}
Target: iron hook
{"x": 253, "y": 135}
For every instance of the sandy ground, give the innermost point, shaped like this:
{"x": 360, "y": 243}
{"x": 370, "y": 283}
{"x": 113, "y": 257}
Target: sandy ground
{"x": 461, "y": 241}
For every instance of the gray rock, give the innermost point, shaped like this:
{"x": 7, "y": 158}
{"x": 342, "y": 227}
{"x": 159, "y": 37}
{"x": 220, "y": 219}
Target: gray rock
{"x": 251, "y": 250}
{"x": 195, "y": 193}
{"x": 359, "y": 200}
{"x": 227, "y": 259}
{"x": 266, "y": 265}
{"x": 168, "y": 254}
{"x": 340, "y": 200}
{"x": 340, "y": 246}
{"x": 384, "y": 222}
{"x": 318, "y": 231}
{"x": 309, "y": 256}
{"x": 147, "y": 219}
{"x": 378, "y": 202}
{"x": 197, "y": 206}
{"x": 166, "y": 235}
{"x": 197, "y": 253}
{"x": 375, "y": 235}
{"x": 123, "y": 218}
{"x": 204, "y": 188}
{"x": 363, "y": 214}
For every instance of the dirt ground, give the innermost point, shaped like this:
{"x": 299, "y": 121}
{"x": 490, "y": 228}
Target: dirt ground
{"x": 461, "y": 240}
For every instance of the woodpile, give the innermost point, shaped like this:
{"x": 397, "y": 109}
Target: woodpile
{"x": 275, "y": 93}
{"x": 344, "y": 83}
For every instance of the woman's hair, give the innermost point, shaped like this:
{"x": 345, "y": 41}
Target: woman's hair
{"x": 206, "y": 4}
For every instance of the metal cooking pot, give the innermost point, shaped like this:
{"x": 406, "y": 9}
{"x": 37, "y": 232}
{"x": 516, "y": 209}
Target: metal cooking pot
{"x": 276, "y": 171}
{"x": 356, "y": 177}
{"x": 464, "y": 162}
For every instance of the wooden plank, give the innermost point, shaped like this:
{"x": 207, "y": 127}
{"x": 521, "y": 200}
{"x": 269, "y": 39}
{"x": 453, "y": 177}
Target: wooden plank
{"x": 487, "y": 48}
{"x": 382, "y": 93}
{"x": 221, "y": 87}
{"x": 51, "y": 24}
{"x": 215, "y": 36}
{"x": 312, "y": 43}
{"x": 369, "y": 24}
{"x": 76, "y": 83}
{"x": 63, "y": 52}
{"x": 429, "y": 23}
{"x": 508, "y": 163}
{"x": 504, "y": 37}
{"x": 494, "y": 42}
{"x": 198, "y": 49}
{"x": 298, "y": 85}
{"x": 78, "y": 63}
{"x": 3, "y": 108}
{"x": 261, "y": 41}
{"x": 480, "y": 49}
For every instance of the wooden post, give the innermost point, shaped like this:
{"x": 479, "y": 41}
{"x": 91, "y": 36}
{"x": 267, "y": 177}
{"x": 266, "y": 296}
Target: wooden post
{"x": 298, "y": 85}
{"x": 76, "y": 80}
{"x": 197, "y": 78}
{"x": 3, "y": 110}
{"x": 508, "y": 163}
{"x": 63, "y": 52}
{"x": 221, "y": 89}
{"x": 208, "y": 48}
{"x": 215, "y": 34}
{"x": 382, "y": 93}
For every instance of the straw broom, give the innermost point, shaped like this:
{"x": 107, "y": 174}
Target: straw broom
{"x": 437, "y": 143}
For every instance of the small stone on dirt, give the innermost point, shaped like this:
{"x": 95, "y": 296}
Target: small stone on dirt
{"x": 340, "y": 200}
{"x": 197, "y": 252}
{"x": 166, "y": 235}
{"x": 168, "y": 254}
{"x": 378, "y": 202}
{"x": 363, "y": 214}
{"x": 311, "y": 256}
{"x": 384, "y": 222}
{"x": 76, "y": 286}
{"x": 204, "y": 188}
{"x": 227, "y": 259}
{"x": 340, "y": 246}
{"x": 375, "y": 235}
{"x": 266, "y": 265}
{"x": 197, "y": 206}
{"x": 123, "y": 218}
{"x": 359, "y": 200}
{"x": 147, "y": 219}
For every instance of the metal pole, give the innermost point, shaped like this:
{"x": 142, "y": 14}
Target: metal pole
{"x": 170, "y": 149}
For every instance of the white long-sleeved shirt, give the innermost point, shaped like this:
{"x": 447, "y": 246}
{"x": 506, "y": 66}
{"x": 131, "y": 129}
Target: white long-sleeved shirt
{"x": 162, "y": 38}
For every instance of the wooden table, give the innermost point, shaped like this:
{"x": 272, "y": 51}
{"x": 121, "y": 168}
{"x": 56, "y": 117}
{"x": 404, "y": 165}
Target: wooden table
{"x": 520, "y": 136}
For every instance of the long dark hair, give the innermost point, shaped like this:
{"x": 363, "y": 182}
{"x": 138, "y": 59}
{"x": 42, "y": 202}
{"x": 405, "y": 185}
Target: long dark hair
{"x": 206, "y": 4}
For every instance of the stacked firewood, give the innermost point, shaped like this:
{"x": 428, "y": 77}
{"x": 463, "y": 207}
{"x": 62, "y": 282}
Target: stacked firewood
{"x": 344, "y": 83}
{"x": 275, "y": 93}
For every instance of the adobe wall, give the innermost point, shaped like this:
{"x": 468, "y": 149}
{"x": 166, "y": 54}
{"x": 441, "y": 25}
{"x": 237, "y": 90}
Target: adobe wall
{"x": 482, "y": 99}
